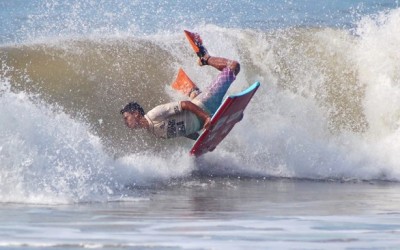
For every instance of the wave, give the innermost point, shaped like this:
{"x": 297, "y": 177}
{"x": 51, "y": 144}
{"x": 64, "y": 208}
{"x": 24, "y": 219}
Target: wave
{"x": 328, "y": 108}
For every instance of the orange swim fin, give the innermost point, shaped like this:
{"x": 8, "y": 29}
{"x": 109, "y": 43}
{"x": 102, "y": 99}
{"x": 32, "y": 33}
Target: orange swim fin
{"x": 197, "y": 43}
{"x": 194, "y": 40}
{"x": 183, "y": 83}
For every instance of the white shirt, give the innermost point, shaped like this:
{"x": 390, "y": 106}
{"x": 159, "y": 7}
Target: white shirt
{"x": 169, "y": 121}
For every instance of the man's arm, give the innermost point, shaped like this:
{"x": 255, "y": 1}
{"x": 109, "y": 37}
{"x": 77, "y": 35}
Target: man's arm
{"x": 204, "y": 116}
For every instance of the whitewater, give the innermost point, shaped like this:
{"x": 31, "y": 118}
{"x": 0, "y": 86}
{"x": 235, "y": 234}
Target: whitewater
{"x": 318, "y": 146}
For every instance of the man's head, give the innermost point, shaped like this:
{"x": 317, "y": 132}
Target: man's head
{"x": 132, "y": 114}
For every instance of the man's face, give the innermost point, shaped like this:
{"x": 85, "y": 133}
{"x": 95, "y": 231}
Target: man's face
{"x": 131, "y": 119}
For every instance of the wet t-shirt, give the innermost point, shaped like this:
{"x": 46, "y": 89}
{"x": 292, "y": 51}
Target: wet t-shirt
{"x": 169, "y": 121}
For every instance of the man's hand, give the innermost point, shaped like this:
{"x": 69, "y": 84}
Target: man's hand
{"x": 188, "y": 105}
{"x": 207, "y": 123}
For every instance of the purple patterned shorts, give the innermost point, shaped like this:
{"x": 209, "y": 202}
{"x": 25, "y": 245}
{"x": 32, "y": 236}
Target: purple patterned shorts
{"x": 211, "y": 98}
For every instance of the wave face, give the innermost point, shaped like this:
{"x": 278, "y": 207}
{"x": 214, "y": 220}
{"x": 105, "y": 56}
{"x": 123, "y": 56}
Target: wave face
{"x": 328, "y": 108}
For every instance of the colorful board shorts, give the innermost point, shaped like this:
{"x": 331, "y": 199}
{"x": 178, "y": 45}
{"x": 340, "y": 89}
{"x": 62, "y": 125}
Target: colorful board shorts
{"x": 211, "y": 98}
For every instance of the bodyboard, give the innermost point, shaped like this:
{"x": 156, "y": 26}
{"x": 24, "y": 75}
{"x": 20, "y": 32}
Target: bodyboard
{"x": 228, "y": 114}
{"x": 183, "y": 83}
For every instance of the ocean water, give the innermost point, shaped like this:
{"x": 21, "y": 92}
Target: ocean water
{"x": 314, "y": 164}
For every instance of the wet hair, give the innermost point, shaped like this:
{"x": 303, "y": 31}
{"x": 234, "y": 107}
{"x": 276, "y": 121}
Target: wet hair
{"x": 132, "y": 107}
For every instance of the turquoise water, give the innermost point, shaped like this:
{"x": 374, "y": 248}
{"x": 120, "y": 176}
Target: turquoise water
{"x": 313, "y": 165}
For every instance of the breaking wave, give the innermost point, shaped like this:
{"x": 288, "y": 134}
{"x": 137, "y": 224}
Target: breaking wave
{"x": 328, "y": 108}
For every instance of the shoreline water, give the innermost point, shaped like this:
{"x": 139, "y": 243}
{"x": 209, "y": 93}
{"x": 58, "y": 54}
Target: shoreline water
{"x": 217, "y": 213}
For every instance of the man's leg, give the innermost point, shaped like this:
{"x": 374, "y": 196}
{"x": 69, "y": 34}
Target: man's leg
{"x": 212, "y": 97}
{"x": 220, "y": 63}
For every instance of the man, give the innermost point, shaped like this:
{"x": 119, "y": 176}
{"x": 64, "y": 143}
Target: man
{"x": 186, "y": 118}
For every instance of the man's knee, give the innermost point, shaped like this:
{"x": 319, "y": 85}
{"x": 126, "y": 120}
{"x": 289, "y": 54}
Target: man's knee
{"x": 235, "y": 67}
